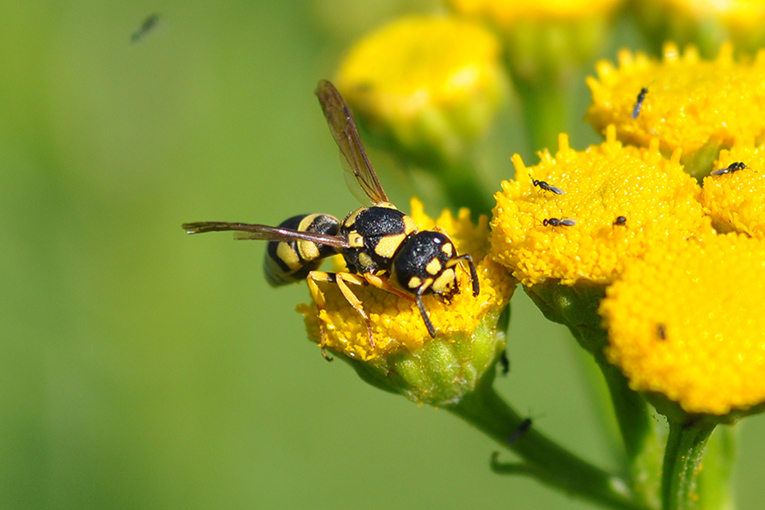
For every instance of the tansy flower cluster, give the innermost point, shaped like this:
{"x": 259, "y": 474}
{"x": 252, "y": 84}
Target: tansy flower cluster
{"x": 616, "y": 201}
{"x": 687, "y": 102}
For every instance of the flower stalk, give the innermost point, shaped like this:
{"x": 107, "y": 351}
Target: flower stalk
{"x": 543, "y": 459}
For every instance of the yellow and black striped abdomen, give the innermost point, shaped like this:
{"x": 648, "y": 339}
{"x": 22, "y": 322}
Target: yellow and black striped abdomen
{"x": 291, "y": 260}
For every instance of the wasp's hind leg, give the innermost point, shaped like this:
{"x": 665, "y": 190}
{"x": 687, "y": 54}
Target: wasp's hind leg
{"x": 341, "y": 280}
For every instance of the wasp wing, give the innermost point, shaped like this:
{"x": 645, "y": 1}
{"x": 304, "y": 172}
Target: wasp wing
{"x": 346, "y": 135}
{"x": 265, "y": 233}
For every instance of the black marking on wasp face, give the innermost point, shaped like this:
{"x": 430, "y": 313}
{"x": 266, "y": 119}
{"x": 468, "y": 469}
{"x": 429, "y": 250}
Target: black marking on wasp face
{"x": 547, "y": 187}
{"x": 620, "y": 220}
{"x": 733, "y": 167}
{"x": 661, "y": 330}
{"x": 639, "y": 103}
{"x": 555, "y": 222}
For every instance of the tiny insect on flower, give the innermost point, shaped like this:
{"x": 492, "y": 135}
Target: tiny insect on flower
{"x": 547, "y": 187}
{"x": 555, "y": 222}
{"x": 733, "y": 167}
{"x": 639, "y": 103}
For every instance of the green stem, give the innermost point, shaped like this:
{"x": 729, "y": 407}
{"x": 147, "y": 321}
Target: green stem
{"x": 576, "y": 307}
{"x": 544, "y": 459}
{"x": 682, "y": 465}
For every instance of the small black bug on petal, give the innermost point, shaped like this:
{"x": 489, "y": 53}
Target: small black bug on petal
{"x": 733, "y": 167}
{"x": 547, "y": 187}
{"x": 555, "y": 222}
{"x": 639, "y": 103}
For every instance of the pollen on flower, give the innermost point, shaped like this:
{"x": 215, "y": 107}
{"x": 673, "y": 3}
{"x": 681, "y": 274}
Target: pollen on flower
{"x": 618, "y": 200}
{"x": 687, "y": 322}
{"x": 396, "y": 322}
{"x": 734, "y": 195}
{"x": 690, "y": 103}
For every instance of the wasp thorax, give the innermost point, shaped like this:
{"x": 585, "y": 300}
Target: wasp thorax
{"x": 426, "y": 264}
{"x": 290, "y": 261}
{"x": 374, "y": 235}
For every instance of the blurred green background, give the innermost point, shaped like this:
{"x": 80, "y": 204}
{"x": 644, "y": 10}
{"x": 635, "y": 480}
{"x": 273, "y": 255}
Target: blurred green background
{"x": 142, "y": 368}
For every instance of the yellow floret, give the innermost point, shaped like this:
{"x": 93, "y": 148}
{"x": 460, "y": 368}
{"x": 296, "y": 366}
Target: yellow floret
{"x": 688, "y": 322}
{"x": 736, "y": 200}
{"x": 690, "y": 103}
{"x": 653, "y": 195}
{"x": 396, "y": 322}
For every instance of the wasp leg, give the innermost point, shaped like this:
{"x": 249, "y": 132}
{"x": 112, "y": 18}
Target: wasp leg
{"x": 473, "y": 273}
{"x": 384, "y": 284}
{"x": 341, "y": 280}
{"x": 321, "y": 303}
{"x": 424, "y": 313}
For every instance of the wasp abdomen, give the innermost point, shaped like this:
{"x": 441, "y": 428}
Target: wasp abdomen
{"x": 290, "y": 261}
{"x": 375, "y": 235}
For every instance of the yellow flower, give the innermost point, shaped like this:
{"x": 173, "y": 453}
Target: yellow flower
{"x": 543, "y": 40}
{"x": 735, "y": 197}
{"x": 429, "y": 85}
{"x": 690, "y": 103}
{"x": 706, "y": 23}
{"x": 508, "y": 12}
{"x": 688, "y": 323}
{"x": 467, "y": 343}
{"x": 621, "y": 198}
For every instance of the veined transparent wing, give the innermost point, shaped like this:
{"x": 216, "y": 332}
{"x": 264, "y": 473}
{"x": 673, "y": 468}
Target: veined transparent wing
{"x": 358, "y": 168}
{"x": 264, "y": 233}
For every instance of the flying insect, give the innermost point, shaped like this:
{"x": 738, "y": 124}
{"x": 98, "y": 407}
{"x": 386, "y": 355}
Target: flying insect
{"x": 381, "y": 245}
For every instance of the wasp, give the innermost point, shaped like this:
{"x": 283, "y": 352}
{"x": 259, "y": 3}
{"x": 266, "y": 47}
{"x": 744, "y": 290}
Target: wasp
{"x": 733, "y": 167}
{"x": 381, "y": 245}
{"x": 639, "y": 103}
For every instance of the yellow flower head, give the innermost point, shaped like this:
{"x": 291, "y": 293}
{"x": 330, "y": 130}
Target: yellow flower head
{"x": 543, "y": 40}
{"x": 404, "y": 358}
{"x": 688, "y": 323}
{"x": 425, "y": 84}
{"x": 688, "y": 102}
{"x": 621, "y": 199}
{"x": 706, "y": 23}
{"x": 508, "y": 12}
{"x": 734, "y": 195}
{"x": 397, "y": 324}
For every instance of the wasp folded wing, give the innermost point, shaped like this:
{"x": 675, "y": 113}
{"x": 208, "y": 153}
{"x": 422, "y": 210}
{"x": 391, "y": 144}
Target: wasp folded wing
{"x": 265, "y": 233}
{"x": 346, "y": 135}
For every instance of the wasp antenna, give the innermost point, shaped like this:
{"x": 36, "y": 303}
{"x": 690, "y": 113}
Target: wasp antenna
{"x": 473, "y": 274}
{"x": 424, "y": 313}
